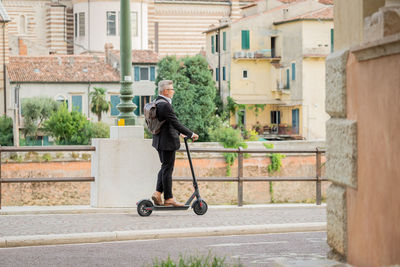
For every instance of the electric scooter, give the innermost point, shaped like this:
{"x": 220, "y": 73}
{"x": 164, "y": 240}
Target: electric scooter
{"x": 145, "y": 207}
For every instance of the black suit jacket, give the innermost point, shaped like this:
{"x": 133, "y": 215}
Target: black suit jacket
{"x": 168, "y": 137}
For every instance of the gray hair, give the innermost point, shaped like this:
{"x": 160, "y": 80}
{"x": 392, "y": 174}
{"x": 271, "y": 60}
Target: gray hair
{"x": 163, "y": 84}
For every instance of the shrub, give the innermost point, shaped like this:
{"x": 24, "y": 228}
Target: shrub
{"x": 68, "y": 128}
{"x": 6, "y": 131}
{"x": 99, "y": 130}
{"x": 229, "y": 138}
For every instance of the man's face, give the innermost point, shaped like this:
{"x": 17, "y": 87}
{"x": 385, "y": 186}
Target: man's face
{"x": 169, "y": 91}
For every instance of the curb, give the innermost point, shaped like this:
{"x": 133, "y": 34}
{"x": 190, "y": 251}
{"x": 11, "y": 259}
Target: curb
{"x": 97, "y": 237}
{"x": 87, "y": 209}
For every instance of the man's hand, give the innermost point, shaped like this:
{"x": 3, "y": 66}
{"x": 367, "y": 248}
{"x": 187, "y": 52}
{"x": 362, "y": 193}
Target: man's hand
{"x": 195, "y": 137}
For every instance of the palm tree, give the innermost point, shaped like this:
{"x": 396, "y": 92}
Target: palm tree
{"x": 98, "y": 101}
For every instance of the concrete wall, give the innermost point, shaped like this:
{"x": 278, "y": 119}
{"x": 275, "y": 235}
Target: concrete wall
{"x": 314, "y": 115}
{"x": 372, "y": 208}
{"x": 349, "y": 20}
{"x": 96, "y": 36}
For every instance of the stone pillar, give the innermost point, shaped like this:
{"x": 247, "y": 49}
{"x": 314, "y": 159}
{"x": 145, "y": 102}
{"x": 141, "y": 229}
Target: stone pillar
{"x": 341, "y": 165}
{"x": 125, "y": 168}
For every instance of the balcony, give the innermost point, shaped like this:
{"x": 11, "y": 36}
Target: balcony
{"x": 318, "y": 51}
{"x": 264, "y": 54}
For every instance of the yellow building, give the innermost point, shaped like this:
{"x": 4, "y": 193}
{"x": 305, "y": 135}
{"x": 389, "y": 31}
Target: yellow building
{"x": 276, "y": 62}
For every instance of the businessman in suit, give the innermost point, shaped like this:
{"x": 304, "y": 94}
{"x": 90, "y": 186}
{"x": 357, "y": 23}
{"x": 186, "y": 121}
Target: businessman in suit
{"x": 167, "y": 142}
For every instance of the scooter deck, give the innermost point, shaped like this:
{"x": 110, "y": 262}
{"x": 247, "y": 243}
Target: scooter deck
{"x": 171, "y": 207}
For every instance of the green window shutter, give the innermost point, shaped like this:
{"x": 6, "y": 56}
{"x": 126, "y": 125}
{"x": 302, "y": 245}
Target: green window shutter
{"x": 136, "y": 100}
{"x": 224, "y": 41}
{"x": 246, "y": 39}
{"x": 332, "y": 40}
{"x": 223, "y": 74}
{"x": 137, "y": 74}
{"x": 77, "y": 103}
{"x": 114, "y": 102}
{"x": 287, "y": 79}
{"x": 293, "y": 71}
{"x": 217, "y": 74}
{"x": 212, "y": 44}
{"x": 152, "y": 74}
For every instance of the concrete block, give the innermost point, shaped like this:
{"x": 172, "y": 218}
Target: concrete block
{"x": 125, "y": 171}
{"x": 341, "y": 154}
{"x": 383, "y": 23}
{"x": 335, "y": 102}
{"x": 126, "y": 132}
{"x": 336, "y": 213}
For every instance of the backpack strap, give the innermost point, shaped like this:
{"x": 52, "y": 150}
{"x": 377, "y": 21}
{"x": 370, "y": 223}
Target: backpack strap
{"x": 161, "y": 100}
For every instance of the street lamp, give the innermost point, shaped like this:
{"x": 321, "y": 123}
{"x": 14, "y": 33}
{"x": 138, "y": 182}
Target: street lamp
{"x": 126, "y": 107}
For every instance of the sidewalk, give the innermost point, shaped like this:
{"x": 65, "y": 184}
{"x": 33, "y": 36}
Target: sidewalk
{"x": 30, "y": 226}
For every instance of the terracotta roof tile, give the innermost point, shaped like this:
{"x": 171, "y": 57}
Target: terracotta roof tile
{"x": 61, "y": 68}
{"x": 141, "y": 56}
{"x": 323, "y": 13}
{"x": 326, "y": 2}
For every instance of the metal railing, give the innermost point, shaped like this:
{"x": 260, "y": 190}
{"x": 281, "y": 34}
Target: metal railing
{"x": 240, "y": 179}
{"x": 44, "y": 149}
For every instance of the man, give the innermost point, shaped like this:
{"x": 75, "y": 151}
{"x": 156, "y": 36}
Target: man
{"x": 167, "y": 142}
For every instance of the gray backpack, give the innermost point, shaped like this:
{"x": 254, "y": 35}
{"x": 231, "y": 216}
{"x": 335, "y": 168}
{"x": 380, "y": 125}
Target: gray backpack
{"x": 150, "y": 111}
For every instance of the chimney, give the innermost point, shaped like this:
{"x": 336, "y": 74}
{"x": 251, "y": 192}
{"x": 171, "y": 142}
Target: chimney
{"x": 22, "y": 48}
{"x": 107, "y": 48}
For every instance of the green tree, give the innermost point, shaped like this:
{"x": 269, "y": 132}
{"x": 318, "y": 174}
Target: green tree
{"x": 99, "y": 130}
{"x": 6, "y": 131}
{"x": 68, "y": 128}
{"x": 195, "y": 92}
{"x": 35, "y": 112}
{"x": 98, "y": 102}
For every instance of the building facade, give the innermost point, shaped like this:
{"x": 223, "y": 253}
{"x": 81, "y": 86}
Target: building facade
{"x": 96, "y": 23}
{"x": 40, "y": 27}
{"x": 276, "y": 74}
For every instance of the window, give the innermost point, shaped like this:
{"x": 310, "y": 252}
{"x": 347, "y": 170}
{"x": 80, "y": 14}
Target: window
{"x": 61, "y": 99}
{"x": 273, "y": 46}
{"x": 76, "y": 25}
{"x": 293, "y": 71}
{"x": 144, "y": 99}
{"x": 217, "y": 74}
{"x": 114, "y": 99}
{"x": 217, "y": 43}
{"x": 134, "y": 23}
{"x": 246, "y": 39}
{"x": 245, "y": 74}
{"x": 144, "y": 73}
{"x": 275, "y": 117}
{"x": 22, "y": 24}
{"x": 77, "y": 103}
{"x": 224, "y": 41}
{"x": 81, "y": 24}
{"x": 212, "y": 44}
{"x": 111, "y": 23}
{"x": 332, "y": 40}
{"x": 223, "y": 74}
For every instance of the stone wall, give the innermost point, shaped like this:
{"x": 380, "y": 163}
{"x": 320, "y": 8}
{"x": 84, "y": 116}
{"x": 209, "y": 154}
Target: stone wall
{"x": 78, "y": 193}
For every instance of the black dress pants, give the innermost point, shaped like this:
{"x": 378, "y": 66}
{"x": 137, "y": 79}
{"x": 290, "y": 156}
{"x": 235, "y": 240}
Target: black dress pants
{"x": 164, "y": 180}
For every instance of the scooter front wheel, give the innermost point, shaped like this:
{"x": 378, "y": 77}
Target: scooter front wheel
{"x": 200, "y": 207}
{"x": 145, "y": 207}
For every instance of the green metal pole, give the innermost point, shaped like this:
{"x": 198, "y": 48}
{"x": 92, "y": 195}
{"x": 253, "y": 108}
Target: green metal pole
{"x": 126, "y": 107}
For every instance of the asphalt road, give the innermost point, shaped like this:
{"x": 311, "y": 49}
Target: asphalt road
{"x": 286, "y": 249}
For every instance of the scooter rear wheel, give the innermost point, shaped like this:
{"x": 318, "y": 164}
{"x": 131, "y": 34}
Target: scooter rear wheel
{"x": 200, "y": 207}
{"x": 145, "y": 208}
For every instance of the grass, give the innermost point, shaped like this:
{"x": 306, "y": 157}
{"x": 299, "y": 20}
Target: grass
{"x": 195, "y": 261}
